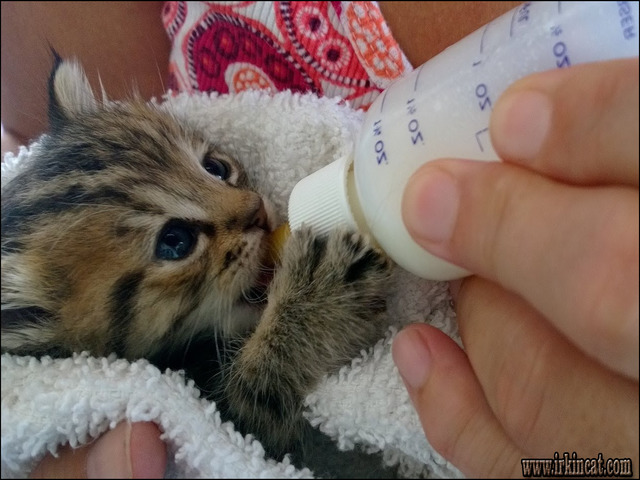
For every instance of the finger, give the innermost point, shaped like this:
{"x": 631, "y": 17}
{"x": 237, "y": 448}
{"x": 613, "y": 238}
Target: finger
{"x": 571, "y": 252}
{"x": 547, "y": 395}
{"x": 578, "y": 125}
{"x": 128, "y": 451}
{"x": 451, "y": 405}
{"x": 70, "y": 463}
{"x": 147, "y": 451}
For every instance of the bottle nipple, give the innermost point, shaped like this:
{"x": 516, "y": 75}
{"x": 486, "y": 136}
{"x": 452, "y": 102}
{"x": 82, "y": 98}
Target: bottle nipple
{"x": 275, "y": 243}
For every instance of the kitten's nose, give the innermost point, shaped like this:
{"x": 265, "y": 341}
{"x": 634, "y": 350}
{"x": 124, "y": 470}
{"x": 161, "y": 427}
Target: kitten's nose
{"x": 258, "y": 216}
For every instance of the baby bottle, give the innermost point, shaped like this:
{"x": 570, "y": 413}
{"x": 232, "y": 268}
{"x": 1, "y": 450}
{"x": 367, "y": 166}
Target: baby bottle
{"x": 442, "y": 109}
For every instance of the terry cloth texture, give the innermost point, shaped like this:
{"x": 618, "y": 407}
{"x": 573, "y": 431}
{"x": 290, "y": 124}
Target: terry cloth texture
{"x": 333, "y": 49}
{"x": 280, "y": 138}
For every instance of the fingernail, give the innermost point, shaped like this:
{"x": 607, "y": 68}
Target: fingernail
{"x": 109, "y": 457}
{"x": 412, "y": 357}
{"x": 147, "y": 452}
{"x": 430, "y": 205}
{"x": 520, "y": 123}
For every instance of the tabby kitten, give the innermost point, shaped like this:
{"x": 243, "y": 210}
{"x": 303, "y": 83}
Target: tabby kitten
{"x": 129, "y": 232}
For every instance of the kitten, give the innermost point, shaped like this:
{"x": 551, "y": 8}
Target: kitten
{"x": 129, "y": 232}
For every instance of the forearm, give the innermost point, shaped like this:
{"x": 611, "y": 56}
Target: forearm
{"x": 121, "y": 44}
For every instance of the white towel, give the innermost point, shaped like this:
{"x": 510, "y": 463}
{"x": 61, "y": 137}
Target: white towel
{"x": 48, "y": 403}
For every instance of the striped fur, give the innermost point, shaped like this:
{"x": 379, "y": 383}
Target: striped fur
{"x": 80, "y": 224}
{"x": 80, "y": 267}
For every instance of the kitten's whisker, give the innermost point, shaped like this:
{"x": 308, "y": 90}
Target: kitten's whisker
{"x": 254, "y": 296}
{"x": 160, "y": 77}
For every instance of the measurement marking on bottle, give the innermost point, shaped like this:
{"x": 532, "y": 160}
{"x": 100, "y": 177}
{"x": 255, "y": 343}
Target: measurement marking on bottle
{"x": 483, "y": 97}
{"x": 562, "y": 60}
{"x": 626, "y": 20}
{"x": 414, "y": 126}
{"x": 381, "y": 155}
{"x": 416, "y": 134}
{"x": 560, "y": 49}
{"x": 478, "y": 133}
{"x": 377, "y": 129}
{"x": 384, "y": 97}
{"x": 512, "y": 19}
{"x": 522, "y": 13}
{"x": 411, "y": 107}
{"x": 484, "y": 32}
{"x": 415, "y": 84}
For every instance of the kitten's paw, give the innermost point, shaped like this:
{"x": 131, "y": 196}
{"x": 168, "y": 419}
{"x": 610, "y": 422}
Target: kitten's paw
{"x": 352, "y": 256}
{"x": 325, "y": 306}
{"x": 343, "y": 258}
{"x": 338, "y": 283}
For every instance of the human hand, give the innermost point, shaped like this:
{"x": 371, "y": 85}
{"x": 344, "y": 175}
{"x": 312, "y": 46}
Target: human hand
{"x": 131, "y": 450}
{"x": 550, "y": 322}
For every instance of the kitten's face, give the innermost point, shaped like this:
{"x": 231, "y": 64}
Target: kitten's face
{"x": 126, "y": 232}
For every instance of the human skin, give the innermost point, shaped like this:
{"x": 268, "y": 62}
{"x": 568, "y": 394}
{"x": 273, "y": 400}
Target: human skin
{"x": 97, "y": 35}
{"x": 549, "y": 323}
{"x": 121, "y": 43}
{"x": 130, "y": 450}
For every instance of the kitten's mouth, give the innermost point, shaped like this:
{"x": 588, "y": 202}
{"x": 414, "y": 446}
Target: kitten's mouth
{"x": 258, "y": 293}
{"x": 266, "y": 276}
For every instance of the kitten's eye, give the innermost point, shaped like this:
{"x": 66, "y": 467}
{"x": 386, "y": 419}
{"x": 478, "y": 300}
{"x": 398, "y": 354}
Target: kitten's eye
{"x": 175, "y": 242}
{"x": 217, "y": 167}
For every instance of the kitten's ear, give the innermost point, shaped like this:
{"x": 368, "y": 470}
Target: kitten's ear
{"x": 69, "y": 92}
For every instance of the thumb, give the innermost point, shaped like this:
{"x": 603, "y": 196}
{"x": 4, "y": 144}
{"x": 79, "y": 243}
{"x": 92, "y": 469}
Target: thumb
{"x": 453, "y": 410}
{"x": 128, "y": 451}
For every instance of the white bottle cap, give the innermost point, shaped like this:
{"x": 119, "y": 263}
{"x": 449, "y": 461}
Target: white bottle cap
{"x": 321, "y": 200}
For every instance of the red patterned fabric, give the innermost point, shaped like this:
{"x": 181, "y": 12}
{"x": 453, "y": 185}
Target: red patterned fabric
{"x": 335, "y": 49}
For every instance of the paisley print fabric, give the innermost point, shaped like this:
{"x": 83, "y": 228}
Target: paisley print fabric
{"x": 334, "y": 49}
